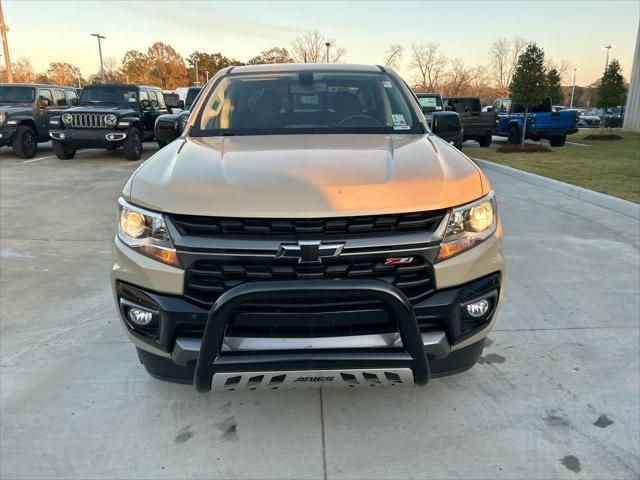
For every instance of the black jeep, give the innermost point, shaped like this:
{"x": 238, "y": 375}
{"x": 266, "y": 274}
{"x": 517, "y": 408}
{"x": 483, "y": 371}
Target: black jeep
{"x": 25, "y": 111}
{"x": 108, "y": 116}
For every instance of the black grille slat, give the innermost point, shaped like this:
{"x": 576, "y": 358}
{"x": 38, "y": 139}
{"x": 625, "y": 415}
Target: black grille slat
{"x": 88, "y": 120}
{"x": 316, "y": 227}
{"x": 205, "y": 280}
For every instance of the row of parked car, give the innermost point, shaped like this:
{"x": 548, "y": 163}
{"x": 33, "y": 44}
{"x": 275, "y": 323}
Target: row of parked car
{"x": 596, "y": 117}
{"x": 101, "y": 116}
{"x": 124, "y": 116}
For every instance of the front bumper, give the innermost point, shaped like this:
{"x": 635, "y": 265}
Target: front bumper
{"x": 89, "y": 138}
{"x": 173, "y": 347}
{"x": 7, "y": 133}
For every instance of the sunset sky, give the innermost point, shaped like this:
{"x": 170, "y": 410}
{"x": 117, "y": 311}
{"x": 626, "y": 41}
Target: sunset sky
{"x": 575, "y": 31}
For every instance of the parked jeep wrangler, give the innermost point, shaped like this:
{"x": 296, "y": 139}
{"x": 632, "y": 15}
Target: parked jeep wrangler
{"x": 307, "y": 229}
{"x": 108, "y": 116}
{"x": 25, "y": 110}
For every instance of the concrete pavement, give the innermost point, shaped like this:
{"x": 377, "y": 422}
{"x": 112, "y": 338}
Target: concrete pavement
{"x": 556, "y": 394}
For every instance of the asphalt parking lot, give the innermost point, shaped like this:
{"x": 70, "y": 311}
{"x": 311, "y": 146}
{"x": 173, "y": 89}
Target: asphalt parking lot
{"x": 556, "y": 393}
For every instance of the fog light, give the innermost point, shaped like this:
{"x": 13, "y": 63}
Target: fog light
{"x": 478, "y": 309}
{"x": 140, "y": 317}
{"x": 61, "y": 136}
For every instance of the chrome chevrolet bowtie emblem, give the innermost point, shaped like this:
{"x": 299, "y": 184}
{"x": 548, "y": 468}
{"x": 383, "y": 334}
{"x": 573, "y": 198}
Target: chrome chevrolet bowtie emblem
{"x": 310, "y": 251}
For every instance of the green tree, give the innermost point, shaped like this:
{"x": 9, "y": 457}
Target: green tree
{"x": 136, "y": 67}
{"x": 554, "y": 89}
{"x": 208, "y": 62}
{"x": 273, "y": 55}
{"x": 167, "y": 66}
{"x": 62, "y": 73}
{"x": 529, "y": 83}
{"x": 611, "y": 88}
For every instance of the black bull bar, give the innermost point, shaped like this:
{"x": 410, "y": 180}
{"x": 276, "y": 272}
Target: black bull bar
{"x": 211, "y": 360}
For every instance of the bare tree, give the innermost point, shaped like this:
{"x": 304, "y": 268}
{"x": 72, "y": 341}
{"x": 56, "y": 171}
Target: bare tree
{"x": 311, "y": 48}
{"x": 429, "y": 65}
{"x": 562, "y": 69}
{"x": 393, "y": 56}
{"x": 459, "y": 78}
{"x": 504, "y": 55}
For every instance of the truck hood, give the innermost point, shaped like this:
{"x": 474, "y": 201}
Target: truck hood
{"x": 16, "y": 109}
{"x": 118, "y": 110}
{"x": 303, "y": 176}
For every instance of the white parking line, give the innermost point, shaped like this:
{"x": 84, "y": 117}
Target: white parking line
{"x": 38, "y": 159}
{"x": 53, "y": 156}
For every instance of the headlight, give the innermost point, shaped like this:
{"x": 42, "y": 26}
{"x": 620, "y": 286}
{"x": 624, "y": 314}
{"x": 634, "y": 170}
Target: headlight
{"x": 3, "y": 117}
{"x": 146, "y": 233}
{"x": 110, "y": 119}
{"x": 468, "y": 226}
{"x": 67, "y": 118}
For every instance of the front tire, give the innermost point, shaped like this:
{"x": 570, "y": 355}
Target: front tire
{"x": 514, "y": 136}
{"x": 25, "y": 145}
{"x": 485, "y": 141}
{"x": 132, "y": 145}
{"x": 557, "y": 141}
{"x": 62, "y": 151}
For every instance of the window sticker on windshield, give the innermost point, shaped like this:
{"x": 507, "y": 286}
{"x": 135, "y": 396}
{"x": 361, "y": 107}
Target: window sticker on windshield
{"x": 398, "y": 122}
{"x": 428, "y": 102}
{"x": 387, "y": 84}
{"x": 132, "y": 100}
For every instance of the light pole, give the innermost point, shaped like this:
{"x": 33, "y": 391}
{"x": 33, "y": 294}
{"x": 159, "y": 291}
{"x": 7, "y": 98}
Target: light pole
{"x": 207, "y": 72}
{"x": 3, "y": 34}
{"x": 573, "y": 90}
{"x": 328, "y": 45}
{"x": 100, "y": 37}
{"x": 197, "y": 74}
{"x": 608, "y": 49}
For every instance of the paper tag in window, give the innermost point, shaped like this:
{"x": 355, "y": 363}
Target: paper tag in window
{"x": 399, "y": 122}
{"x": 387, "y": 84}
{"x": 132, "y": 100}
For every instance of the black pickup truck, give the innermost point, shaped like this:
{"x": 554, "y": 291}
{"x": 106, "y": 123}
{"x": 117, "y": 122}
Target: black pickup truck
{"x": 478, "y": 125}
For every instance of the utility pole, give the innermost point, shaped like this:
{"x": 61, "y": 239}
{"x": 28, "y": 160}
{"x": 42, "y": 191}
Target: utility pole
{"x": 328, "y": 45}
{"x": 98, "y": 36}
{"x": 3, "y": 33}
{"x": 608, "y": 49}
{"x": 573, "y": 90}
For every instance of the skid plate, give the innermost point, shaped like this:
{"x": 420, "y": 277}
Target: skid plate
{"x": 374, "y": 377}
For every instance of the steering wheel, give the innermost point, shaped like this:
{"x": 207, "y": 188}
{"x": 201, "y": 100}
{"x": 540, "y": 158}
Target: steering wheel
{"x": 353, "y": 117}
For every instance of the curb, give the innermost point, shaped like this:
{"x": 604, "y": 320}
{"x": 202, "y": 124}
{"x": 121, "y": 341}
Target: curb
{"x": 618, "y": 205}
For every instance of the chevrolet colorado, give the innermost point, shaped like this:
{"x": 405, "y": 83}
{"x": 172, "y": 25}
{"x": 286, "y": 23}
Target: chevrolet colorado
{"x": 307, "y": 229}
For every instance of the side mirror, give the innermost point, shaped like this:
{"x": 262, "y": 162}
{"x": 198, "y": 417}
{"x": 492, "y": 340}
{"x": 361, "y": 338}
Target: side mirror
{"x": 181, "y": 104}
{"x": 145, "y": 104}
{"x": 166, "y": 128}
{"x": 490, "y": 109}
{"x": 445, "y": 124}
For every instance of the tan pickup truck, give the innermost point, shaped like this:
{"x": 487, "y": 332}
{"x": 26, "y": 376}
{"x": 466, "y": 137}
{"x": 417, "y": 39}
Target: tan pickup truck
{"x": 307, "y": 229}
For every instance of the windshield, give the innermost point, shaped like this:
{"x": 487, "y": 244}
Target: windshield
{"x": 17, "y": 94}
{"x": 192, "y": 94}
{"x": 108, "y": 94}
{"x": 305, "y": 102}
{"x": 429, "y": 103}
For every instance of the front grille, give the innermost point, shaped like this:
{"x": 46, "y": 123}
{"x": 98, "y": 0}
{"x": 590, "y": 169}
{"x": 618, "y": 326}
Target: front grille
{"x": 206, "y": 280}
{"x": 88, "y": 120}
{"x": 344, "y": 227}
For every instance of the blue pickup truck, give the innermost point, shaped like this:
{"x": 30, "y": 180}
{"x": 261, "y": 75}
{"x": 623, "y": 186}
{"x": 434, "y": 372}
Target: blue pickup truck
{"x": 542, "y": 122}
